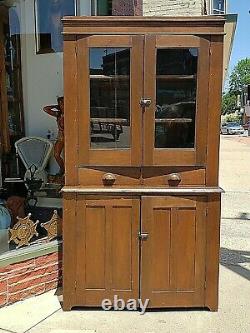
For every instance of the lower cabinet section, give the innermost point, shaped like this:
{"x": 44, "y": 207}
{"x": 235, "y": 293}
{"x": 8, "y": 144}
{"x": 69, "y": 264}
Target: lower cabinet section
{"x": 107, "y": 250}
{"x": 136, "y": 248}
{"x": 173, "y": 256}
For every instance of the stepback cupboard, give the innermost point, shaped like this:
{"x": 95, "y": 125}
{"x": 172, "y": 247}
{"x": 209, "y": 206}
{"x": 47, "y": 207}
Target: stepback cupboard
{"x": 141, "y": 200}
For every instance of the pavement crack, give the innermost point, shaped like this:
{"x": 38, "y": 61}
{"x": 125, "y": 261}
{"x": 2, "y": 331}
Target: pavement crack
{"x": 40, "y": 321}
{"x": 6, "y": 331}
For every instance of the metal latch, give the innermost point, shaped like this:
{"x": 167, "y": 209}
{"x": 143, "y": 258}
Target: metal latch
{"x": 142, "y": 236}
{"x": 145, "y": 102}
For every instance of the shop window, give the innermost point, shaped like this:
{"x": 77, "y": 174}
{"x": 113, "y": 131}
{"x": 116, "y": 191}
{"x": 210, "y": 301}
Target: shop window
{"x": 39, "y": 222}
{"x": 101, "y": 7}
{"x": 48, "y": 14}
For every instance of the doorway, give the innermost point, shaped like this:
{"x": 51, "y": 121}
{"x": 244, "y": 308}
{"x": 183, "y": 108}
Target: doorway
{"x": 11, "y": 94}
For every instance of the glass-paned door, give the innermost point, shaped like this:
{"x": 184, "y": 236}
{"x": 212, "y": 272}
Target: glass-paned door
{"x": 175, "y": 84}
{"x": 110, "y": 87}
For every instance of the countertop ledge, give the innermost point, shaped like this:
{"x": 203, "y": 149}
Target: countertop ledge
{"x": 142, "y": 190}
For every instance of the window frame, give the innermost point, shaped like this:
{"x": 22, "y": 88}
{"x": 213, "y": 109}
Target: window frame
{"x": 94, "y": 7}
{"x": 38, "y": 49}
{"x": 93, "y": 4}
{"x": 218, "y": 12}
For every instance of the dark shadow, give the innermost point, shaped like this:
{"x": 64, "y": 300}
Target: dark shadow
{"x": 241, "y": 216}
{"x": 59, "y": 291}
{"x": 244, "y": 216}
{"x": 232, "y": 260}
{"x": 99, "y": 309}
{"x": 177, "y": 309}
{"x": 101, "y": 139}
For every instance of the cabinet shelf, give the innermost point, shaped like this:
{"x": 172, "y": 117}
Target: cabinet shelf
{"x": 173, "y": 120}
{"x": 176, "y": 77}
{"x": 117, "y": 121}
{"x": 109, "y": 77}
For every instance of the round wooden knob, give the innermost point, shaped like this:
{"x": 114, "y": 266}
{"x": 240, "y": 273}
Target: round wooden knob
{"x": 109, "y": 178}
{"x": 174, "y": 177}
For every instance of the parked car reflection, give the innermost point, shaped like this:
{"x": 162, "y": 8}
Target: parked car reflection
{"x": 231, "y": 128}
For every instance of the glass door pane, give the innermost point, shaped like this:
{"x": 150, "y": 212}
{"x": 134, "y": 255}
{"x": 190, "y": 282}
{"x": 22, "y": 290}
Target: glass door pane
{"x": 176, "y": 70}
{"x": 109, "y": 98}
{"x": 176, "y": 80}
{"x": 110, "y": 85}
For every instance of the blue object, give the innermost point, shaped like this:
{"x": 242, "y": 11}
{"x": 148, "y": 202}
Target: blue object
{"x": 5, "y": 218}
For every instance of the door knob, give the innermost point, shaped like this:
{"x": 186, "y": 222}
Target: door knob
{"x": 145, "y": 102}
{"x": 175, "y": 177}
{"x": 109, "y": 178}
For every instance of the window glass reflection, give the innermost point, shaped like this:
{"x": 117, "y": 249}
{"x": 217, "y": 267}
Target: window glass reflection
{"x": 176, "y": 98}
{"x": 48, "y": 23}
{"x": 219, "y": 6}
{"x": 109, "y": 98}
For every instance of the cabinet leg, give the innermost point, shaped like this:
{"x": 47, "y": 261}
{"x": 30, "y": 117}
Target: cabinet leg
{"x": 66, "y": 306}
{"x": 213, "y": 307}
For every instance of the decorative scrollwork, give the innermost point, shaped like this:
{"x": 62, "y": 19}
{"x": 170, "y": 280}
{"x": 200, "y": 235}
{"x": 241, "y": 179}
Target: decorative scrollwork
{"x": 53, "y": 226}
{"x": 23, "y": 231}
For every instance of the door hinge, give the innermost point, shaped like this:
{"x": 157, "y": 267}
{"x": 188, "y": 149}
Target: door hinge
{"x": 206, "y": 212}
{"x": 75, "y": 285}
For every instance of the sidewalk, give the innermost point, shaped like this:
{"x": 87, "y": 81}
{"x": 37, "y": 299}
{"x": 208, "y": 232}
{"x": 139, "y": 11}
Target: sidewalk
{"x": 43, "y": 313}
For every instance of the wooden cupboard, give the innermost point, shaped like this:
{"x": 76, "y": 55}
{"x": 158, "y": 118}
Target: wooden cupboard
{"x": 141, "y": 199}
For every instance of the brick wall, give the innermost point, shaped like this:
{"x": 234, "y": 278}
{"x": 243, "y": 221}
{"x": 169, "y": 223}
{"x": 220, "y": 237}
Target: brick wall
{"x": 32, "y": 277}
{"x": 173, "y": 7}
{"x": 127, "y": 7}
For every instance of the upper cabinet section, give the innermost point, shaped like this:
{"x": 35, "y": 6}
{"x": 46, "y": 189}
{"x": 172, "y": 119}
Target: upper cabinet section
{"x": 141, "y": 97}
{"x": 176, "y": 80}
{"x": 110, "y": 86}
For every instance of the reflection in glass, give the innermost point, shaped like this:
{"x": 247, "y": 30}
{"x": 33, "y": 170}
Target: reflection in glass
{"x": 101, "y": 7}
{"x": 176, "y": 82}
{"x": 48, "y": 23}
{"x": 219, "y": 7}
{"x": 109, "y": 98}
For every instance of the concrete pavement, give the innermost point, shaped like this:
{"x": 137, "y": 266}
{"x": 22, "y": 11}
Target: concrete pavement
{"x": 43, "y": 313}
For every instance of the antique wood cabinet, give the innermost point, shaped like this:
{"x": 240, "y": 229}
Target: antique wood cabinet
{"x": 141, "y": 199}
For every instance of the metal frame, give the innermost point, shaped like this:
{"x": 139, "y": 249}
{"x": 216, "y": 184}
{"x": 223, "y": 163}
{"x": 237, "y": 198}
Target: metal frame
{"x": 220, "y": 12}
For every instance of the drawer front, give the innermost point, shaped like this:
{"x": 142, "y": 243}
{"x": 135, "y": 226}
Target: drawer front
{"x": 109, "y": 176}
{"x": 173, "y": 177}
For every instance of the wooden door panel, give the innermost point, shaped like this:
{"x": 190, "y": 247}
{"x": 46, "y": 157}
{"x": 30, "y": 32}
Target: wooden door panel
{"x": 107, "y": 250}
{"x": 117, "y": 152}
{"x": 173, "y": 256}
{"x": 121, "y": 243}
{"x": 95, "y": 230}
{"x": 163, "y": 115}
{"x": 182, "y": 251}
{"x": 160, "y": 239}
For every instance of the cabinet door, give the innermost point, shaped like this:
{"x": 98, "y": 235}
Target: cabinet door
{"x": 176, "y": 81}
{"x": 107, "y": 250}
{"x": 110, "y": 83}
{"x": 173, "y": 255}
